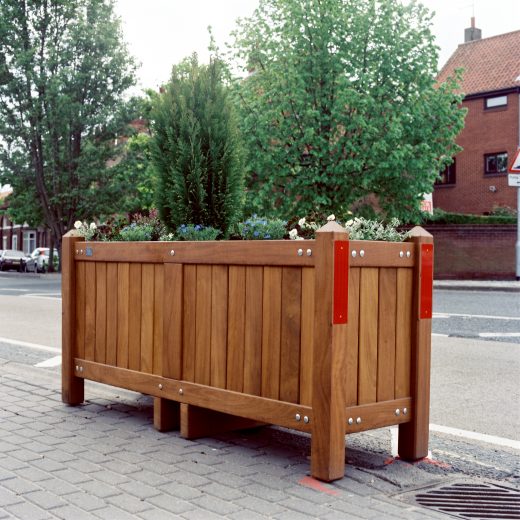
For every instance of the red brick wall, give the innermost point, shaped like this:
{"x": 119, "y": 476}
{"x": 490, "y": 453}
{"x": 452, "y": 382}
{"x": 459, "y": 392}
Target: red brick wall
{"x": 485, "y": 131}
{"x": 470, "y": 251}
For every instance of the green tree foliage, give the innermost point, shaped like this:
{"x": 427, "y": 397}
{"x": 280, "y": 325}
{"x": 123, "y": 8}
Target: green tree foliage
{"x": 197, "y": 149}
{"x": 339, "y": 106}
{"x": 63, "y": 68}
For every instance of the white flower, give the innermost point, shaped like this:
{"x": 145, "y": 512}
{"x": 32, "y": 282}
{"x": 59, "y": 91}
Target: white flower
{"x": 299, "y": 238}
{"x": 293, "y": 234}
{"x": 78, "y": 224}
{"x": 331, "y": 217}
{"x": 349, "y": 223}
{"x": 301, "y": 222}
{"x": 93, "y": 225}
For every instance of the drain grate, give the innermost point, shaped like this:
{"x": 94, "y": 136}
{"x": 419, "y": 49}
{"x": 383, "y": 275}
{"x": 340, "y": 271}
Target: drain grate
{"x": 473, "y": 501}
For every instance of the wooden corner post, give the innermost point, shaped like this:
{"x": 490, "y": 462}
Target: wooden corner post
{"x": 413, "y": 436}
{"x": 72, "y": 387}
{"x": 329, "y": 355}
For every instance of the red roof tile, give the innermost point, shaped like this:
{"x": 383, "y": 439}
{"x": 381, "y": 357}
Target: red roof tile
{"x": 489, "y": 64}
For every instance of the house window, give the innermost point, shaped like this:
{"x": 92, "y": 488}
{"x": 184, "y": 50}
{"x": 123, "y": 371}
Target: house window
{"x": 495, "y": 163}
{"x": 4, "y": 242}
{"x": 494, "y": 102}
{"x": 14, "y": 242}
{"x": 448, "y": 175}
{"x": 29, "y": 242}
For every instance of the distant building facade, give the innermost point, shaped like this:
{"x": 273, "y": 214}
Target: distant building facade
{"x": 476, "y": 182}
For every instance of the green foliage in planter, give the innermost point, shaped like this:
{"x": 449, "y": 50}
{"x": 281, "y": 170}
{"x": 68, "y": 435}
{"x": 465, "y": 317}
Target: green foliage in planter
{"x": 364, "y": 229}
{"x": 136, "y": 232}
{"x": 261, "y": 228}
{"x": 445, "y": 217}
{"x": 197, "y": 150}
{"x": 196, "y": 232}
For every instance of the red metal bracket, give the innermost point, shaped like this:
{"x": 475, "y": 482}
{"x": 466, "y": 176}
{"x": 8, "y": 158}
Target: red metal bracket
{"x": 425, "y": 311}
{"x": 341, "y": 258}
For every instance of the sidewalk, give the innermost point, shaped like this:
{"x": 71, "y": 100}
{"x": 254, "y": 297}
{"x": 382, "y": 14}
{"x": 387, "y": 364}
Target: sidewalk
{"x": 477, "y": 285}
{"x": 105, "y": 460}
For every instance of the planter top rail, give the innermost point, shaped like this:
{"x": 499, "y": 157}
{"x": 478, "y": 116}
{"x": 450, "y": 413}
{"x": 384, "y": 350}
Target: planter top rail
{"x": 273, "y": 252}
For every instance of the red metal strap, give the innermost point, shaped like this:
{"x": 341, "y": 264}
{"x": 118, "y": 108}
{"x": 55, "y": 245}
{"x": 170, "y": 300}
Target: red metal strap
{"x": 341, "y": 258}
{"x": 425, "y": 311}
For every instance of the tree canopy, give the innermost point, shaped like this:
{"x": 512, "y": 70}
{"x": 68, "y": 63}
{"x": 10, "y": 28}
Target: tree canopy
{"x": 339, "y": 106}
{"x": 63, "y": 69}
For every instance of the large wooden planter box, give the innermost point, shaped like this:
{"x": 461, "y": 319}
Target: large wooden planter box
{"x": 325, "y": 336}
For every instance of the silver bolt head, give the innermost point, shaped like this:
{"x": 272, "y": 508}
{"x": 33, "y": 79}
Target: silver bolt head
{"x": 350, "y": 420}
{"x": 397, "y": 412}
{"x": 160, "y": 386}
{"x": 362, "y": 253}
{"x": 354, "y": 253}
{"x": 172, "y": 252}
{"x": 309, "y": 252}
{"x": 181, "y": 391}
{"x": 81, "y": 369}
{"x": 405, "y": 411}
{"x": 300, "y": 252}
{"x": 298, "y": 417}
{"x": 401, "y": 254}
{"x": 408, "y": 254}
{"x": 306, "y": 420}
{"x": 358, "y": 420}
{"x": 77, "y": 368}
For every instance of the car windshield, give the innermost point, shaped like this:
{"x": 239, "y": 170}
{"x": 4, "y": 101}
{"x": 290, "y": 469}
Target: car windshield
{"x": 12, "y": 252}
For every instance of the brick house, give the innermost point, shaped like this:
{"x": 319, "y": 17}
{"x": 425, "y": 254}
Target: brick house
{"x": 476, "y": 182}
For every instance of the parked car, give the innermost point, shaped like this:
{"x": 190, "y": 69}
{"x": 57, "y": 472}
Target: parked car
{"x": 12, "y": 259}
{"x": 38, "y": 260}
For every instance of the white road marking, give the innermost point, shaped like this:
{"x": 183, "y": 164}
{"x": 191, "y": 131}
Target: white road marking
{"x": 43, "y": 296}
{"x": 499, "y": 334}
{"x": 52, "y": 362}
{"x": 440, "y": 335}
{"x": 449, "y": 315}
{"x": 30, "y": 345}
{"x": 19, "y": 290}
{"x": 483, "y": 437}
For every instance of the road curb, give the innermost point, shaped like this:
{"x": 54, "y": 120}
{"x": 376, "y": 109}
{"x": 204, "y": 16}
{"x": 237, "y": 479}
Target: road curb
{"x": 470, "y": 287}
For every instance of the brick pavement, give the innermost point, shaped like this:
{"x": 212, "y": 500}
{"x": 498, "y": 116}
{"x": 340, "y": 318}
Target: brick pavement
{"x": 104, "y": 460}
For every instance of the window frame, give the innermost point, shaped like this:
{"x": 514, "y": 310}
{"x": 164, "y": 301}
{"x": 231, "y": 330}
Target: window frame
{"x": 451, "y": 170}
{"x": 488, "y": 173}
{"x": 503, "y": 105}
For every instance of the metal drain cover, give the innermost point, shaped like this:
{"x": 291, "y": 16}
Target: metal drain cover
{"x": 475, "y": 501}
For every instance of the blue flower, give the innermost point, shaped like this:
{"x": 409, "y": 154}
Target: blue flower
{"x": 267, "y": 236}
{"x": 255, "y": 234}
{"x": 198, "y": 228}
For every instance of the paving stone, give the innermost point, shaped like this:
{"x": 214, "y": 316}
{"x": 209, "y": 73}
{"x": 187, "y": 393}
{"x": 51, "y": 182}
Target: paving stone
{"x": 33, "y": 474}
{"x": 201, "y": 514}
{"x": 8, "y": 498}
{"x": 259, "y": 506}
{"x": 113, "y": 513}
{"x": 86, "y": 501}
{"x": 222, "y": 491}
{"x": 129, "y": 503}
{"x": 305, "y": 506}
{"x": 171, "y": 504}
{"x": 72, "y": 476}
{"x": 109, "y": 477}
{"x": 246, "y": 514}
{"x": 58, "y": 486}
{"x": 19, "y": 485}
{"x": 44, "y": 499}
{"x": 157, "y": 514}
{"x": 99, "y": 489}
{"x": 216, "y": 505}
{"x": 139, "y": 490}
{"x": 26, "y": 510}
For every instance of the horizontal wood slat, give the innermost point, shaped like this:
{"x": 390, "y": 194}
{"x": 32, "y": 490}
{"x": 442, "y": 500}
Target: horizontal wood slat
{"x": 381, "y": 254}
{"x": 378, "y": 415}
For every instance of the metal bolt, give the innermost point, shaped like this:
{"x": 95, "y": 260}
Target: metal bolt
{"x": 397, "y": 412}
{"x": 309, "y": 252}
{"x": 350, "y": 420}
{"x": 298, "y": 417}
{"x": 354, "y": 253}
{"x": 306, "y": 420}
{"x": 160, "y": 386}
{"x": 358, "y": 420}
{"x": 362, "y": 253}
{"x": 77, "y": 368}
{"x": 181, "y": 391}
{"x": 408, "y": 254}
{"x": 172, "y": 252}
{"x": 405, "y": 411}
{"x": 81, "y": 369}
{"x": 401, "y": 254}
{"x": 77, "y": 251}
{"x": 300, "y": 252}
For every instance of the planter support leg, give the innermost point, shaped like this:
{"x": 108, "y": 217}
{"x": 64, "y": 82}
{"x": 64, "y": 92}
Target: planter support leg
{"x": 413, "y": 436}
{"x": 329, "y": 360}
{"x": 72, "y": 387}
{"x": 165, "y": 414}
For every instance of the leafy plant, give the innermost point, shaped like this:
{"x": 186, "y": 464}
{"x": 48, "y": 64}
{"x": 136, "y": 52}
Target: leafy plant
{"x": 196, "y": 232}
{"x": 135, "y": 232}
{"x": 360, "y": 228}
{"x": 445, "y": 217}
{"x": 261, "y": 228}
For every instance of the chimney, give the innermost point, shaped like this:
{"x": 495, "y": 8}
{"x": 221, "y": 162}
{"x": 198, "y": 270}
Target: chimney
{"x": 472, "y": 33}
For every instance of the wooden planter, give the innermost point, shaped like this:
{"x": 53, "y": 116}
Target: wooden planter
{"x": 325, "y": 336}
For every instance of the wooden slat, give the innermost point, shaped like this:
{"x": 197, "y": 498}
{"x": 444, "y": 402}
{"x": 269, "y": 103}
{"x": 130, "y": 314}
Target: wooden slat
{"x": 235, "y": 403}
{"x": 368, "y": 316}
{"x": 352, "y": 346}
{"x": 123, "y": 308}
{"x": 219, "y": 323}
{"x": 382, "y": 254}
{"x": 172, "y": 321}
{"x": 80, "y": 309}
{"x": 90, "y": 311}
{"x": 290, "y": 334}
{"x": 158, "y": 308}
{"x": 134, "y": 318}
{"x": 386, "y": 336}
{"x": 101, "y": 312}
{"x": 236, "y": 328}
{"x": 272, "y": 302}
{"x": 378, "y": 415}
{"x": 203, "y": 321}
{"x": 147, "y": 304}
{"x": 189, "y": 323}
{"x": 254, "y": 252}
{"x": 111, "y": 357}
{"x": 307, "y": 335}
{"x": 403, "y": 336}
{"x": 253, "y": 331}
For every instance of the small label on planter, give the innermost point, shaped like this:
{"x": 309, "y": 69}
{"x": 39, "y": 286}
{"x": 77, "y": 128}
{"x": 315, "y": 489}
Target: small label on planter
{"x": 89, "y": 251}
{"x": 425, "y": 311}
{"x": 341, "y": 257}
